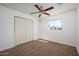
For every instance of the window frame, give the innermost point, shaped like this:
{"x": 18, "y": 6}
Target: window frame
{"x": 55, "y": 27}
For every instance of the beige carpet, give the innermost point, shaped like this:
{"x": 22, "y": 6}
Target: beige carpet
{"x": 41, "y": 48}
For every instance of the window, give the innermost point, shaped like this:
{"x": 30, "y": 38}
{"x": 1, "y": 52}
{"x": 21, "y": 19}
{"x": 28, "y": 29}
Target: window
{"x": 54, "y": 24}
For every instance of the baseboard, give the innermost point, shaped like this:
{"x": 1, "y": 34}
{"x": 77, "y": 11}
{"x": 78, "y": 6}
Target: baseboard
{"x": 13, "y": 46}
{"x": 56, "y": 42}
{"x": 7, "y": 48}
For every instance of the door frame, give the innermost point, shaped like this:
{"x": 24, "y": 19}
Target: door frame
{"x": 14, "y": 28}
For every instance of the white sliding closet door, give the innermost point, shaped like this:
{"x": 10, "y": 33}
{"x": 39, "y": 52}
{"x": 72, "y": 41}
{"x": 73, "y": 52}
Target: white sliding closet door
{"x": 23, "y": 30}
{"x": 29, "y": 29}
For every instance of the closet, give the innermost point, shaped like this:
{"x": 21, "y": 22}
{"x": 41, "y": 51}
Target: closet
{"x": 23, "y": 30}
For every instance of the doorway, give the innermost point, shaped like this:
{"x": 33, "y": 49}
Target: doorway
{"x": 23, "y": 30}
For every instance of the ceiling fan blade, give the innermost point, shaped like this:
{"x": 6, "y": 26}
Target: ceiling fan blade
{"x": 38, "y": 7}
{"x": 48, "y": 8}
{"x": 47, "y": 14}
{"x": 34, "y": 12}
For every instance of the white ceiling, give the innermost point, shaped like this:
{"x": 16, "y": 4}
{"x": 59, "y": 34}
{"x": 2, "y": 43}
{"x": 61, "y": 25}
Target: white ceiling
{"x": 27, "y": 8}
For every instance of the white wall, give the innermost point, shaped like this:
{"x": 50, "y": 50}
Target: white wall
{"x": 7, "y": 27}
{"x": 77, "y": 29}
{"x": 65, "y": 36}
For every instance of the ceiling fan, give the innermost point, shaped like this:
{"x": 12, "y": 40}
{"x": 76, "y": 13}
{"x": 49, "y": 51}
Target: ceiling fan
{"x": 42, "y": 11}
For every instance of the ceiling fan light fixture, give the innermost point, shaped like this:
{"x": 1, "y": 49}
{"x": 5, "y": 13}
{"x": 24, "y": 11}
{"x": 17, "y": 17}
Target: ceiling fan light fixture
{"x": 42, "y": 11}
